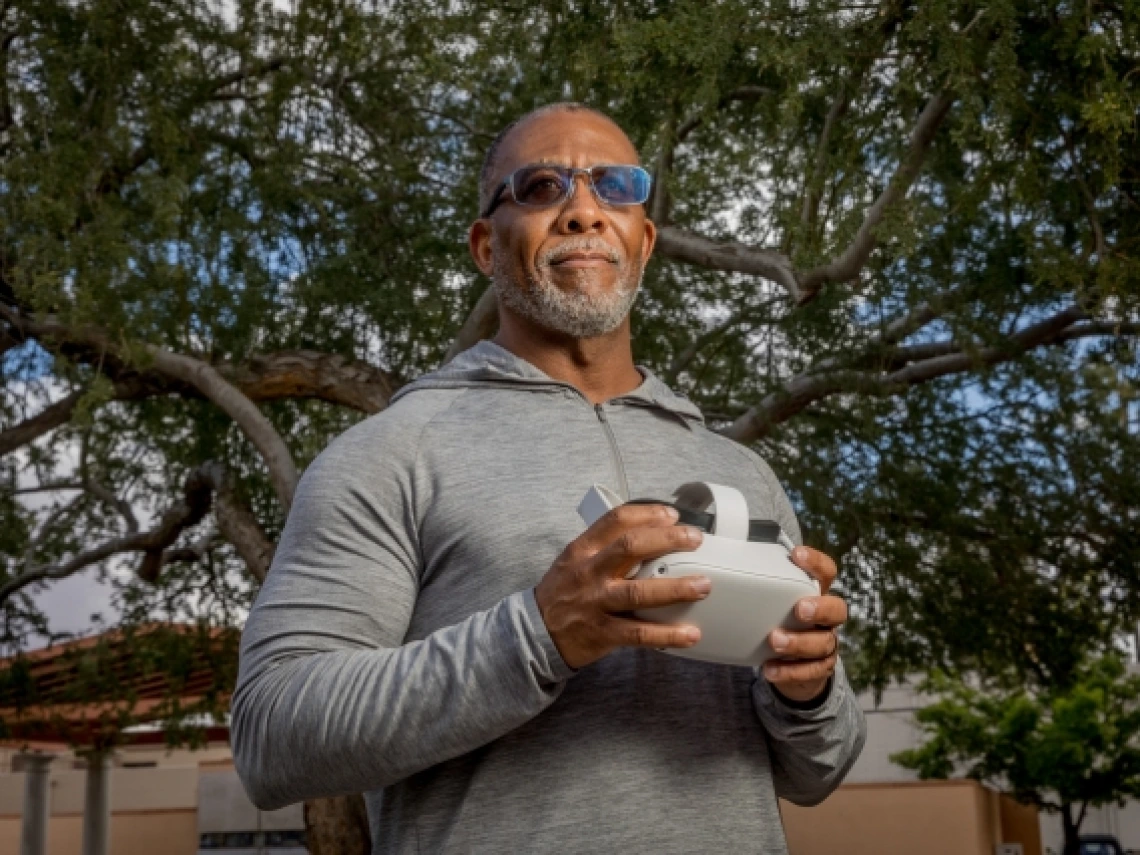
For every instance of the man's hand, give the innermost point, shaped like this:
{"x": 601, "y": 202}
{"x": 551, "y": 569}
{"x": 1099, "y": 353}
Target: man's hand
{"x": 584, "y": 594}
{"x": 808, "y": 657}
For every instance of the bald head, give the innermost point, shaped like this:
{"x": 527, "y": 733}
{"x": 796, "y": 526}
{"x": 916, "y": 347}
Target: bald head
{"x": 488, "y": 176}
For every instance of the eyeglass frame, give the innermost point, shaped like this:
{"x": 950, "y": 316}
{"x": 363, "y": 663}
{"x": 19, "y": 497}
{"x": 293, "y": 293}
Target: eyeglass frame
{"x": 508, "y": 182}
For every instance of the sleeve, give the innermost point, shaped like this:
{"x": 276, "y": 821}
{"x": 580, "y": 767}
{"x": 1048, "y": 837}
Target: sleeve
{"x": 812, "y": 746}
{"x": 329, "y": 700}
{"x": 811, "y": 749}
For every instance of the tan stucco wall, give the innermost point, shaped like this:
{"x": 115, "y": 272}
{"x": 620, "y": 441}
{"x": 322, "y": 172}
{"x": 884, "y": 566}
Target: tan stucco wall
{"x": 161, "y": 788}
{"x": 173, "y": 832}
{"x": 1021, "y": 824}
{"x": 932, "y": 817}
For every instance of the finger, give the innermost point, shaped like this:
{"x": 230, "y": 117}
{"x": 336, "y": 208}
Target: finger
{"x": 623, "y": 596}
{"x": 784, "y": 672}
{"x": 822, "y": 611}
{"x": 622, "y": 518}
{"x": 815, "y": 644}
{"x": 815, "y": 564}
{"x": 641, "y": 544}
{"x": 627, "y": 632}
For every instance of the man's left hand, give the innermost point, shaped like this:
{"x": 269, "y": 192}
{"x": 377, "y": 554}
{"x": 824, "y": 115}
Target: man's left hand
{"x": 807, "y": 657}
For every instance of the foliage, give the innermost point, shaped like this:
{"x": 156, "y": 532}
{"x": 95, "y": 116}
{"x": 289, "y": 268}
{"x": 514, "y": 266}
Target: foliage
{"x": 1059, "y": 749}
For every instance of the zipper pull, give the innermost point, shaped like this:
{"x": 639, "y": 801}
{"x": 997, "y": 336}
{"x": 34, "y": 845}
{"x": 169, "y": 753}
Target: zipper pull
{"x": 600, "y": 411}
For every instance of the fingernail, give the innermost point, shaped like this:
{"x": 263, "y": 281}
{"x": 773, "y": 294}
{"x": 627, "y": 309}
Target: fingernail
{"x": 701, "y": 586}
{"x": 670, "y": 513}
{"x": 693, "y": 634}
{"x": 771, "y": 672}
{"x": 695, "y": 535}
{"x": 800, "y": 553}
{"x": 806, "y": 610}
{"x": 779, "y": 640}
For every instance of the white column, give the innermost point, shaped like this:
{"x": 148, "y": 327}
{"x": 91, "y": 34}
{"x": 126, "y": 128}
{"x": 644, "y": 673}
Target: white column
{"x": 37, "y": 773}
{"x": 97, "y": 804}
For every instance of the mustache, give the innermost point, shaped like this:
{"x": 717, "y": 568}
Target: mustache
{"x": 559, "y": 253}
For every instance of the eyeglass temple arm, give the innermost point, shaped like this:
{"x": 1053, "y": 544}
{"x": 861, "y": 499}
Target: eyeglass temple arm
{"x": 496, "y": 199}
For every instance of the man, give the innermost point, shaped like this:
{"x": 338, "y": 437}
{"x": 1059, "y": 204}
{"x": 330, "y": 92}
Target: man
{"x": 439, "y": 632}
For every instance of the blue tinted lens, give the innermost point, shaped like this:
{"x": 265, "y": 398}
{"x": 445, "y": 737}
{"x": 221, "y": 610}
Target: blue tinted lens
{"x": 621, "y": 185}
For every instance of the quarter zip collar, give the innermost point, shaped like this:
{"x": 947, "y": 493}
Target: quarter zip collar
{"x": 489, "y": 364}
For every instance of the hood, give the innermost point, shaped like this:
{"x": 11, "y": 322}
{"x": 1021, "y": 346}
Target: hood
{"x": 488, "y": 364}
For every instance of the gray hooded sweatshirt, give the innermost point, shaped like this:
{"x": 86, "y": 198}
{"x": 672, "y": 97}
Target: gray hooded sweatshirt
{"x": 396, "y": 648}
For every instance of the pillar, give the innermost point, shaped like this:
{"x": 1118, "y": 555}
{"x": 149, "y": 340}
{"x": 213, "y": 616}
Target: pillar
{"x": 34, "y": 828}
{"x": 97, "y": 804}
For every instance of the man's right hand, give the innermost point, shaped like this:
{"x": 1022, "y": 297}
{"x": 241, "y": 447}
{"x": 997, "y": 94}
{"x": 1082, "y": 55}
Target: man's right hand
{"x": 584, "y": 596}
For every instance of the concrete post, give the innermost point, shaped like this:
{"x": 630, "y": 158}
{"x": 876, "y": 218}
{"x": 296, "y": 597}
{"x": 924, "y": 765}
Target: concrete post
{"x": 97, "y": 804}
{"x": 37, "y": 775}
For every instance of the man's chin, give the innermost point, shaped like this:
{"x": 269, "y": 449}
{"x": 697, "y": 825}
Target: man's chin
{"x": 592, "y": 281}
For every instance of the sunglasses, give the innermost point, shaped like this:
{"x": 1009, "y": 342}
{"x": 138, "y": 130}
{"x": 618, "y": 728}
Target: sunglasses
{"x": 543, "y": 185}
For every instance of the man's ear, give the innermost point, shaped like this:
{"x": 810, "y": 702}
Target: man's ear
{"x": 649, "y": 239}
{"x": 479, "y": 242}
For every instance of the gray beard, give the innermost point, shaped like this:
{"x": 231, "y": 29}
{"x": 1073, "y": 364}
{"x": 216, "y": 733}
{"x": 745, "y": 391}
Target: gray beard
{"x": 573, "y": 312}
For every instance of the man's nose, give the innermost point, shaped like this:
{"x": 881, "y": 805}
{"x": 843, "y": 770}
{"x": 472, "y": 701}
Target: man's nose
{"x": 581, "y": 214}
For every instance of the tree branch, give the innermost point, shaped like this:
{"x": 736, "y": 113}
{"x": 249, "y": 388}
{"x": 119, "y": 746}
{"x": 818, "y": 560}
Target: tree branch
{"x": 245, "y": 72}
{"x": 681, "y": 245}
{"x": 810, "y": 209}
{"x": 193, "y": 372}
{"x": 480, "y": 324}
{"x": 239, "y": 526}
{"x": 918, "y": 317}
{"x": 672, "y": 136}
{"x": 808, "y": 387}
{"x": 106, "y": 495}
{"x": 32, "y": 429}
{"x": 658, "y": 208}
{"x": 854, "y": 257}
{"x": 311, "y": 374}
{"x": 887, "y": 21}
{"x": 235, "y": 521}
{"x": 740, "y": 93}
{"x": 252, "y": 422}
{"x": 288, "y": 375}
{"x": 686, "y": 356}
{"x": 803, "y": 287}
{"x": 1099, "y": 244}
{"x": 184, "y": 514}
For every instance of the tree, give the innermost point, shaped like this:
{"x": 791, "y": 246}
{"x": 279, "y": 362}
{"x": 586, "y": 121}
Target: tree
{"x": 1063, "y": 750}
{"x": 896, "y": 256}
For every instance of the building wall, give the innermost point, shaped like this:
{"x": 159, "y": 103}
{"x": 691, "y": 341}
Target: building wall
{"x": 890, "y": 729}
{"x": 159, "y": 810}
{"x": 152, "y": 811}
{"x": 933, "y": 817}
{"x": 132, "y": 833}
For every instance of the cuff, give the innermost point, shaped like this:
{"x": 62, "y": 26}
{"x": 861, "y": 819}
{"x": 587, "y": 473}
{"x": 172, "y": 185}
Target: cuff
{"x": 774, "y": 709}
{"x": 815, "y": 703}
{"x": 557, "y": 670}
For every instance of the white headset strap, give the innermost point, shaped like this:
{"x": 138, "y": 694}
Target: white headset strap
{"x": 731, "y": 507}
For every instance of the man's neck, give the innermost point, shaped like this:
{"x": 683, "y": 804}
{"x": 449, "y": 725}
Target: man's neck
{"x": 600, "y": 368}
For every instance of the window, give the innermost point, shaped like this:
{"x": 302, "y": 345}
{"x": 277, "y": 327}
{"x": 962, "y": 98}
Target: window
{"x": 229, "y": 840}
{"x": 285, "y": 838}
{"x": 237, "y": 839}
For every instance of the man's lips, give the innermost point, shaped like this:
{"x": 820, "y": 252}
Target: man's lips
{"x": 583, "y": 259}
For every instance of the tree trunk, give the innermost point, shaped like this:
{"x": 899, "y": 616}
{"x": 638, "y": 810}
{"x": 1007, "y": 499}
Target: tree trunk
{"x": 337, "y": 826}
{"x": 1072, "y": 830}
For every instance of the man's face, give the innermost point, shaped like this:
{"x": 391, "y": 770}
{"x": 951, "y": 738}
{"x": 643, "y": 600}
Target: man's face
{"x": 573, "y": 267}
